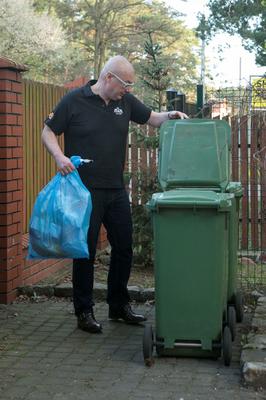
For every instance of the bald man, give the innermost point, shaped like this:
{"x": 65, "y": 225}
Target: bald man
{"x": 95, "y": 120}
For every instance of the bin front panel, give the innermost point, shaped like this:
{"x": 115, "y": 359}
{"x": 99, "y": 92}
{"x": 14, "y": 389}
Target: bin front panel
{"x": 190, "y": 273}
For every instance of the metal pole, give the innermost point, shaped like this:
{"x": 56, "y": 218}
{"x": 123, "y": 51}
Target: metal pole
{"x": 202, "y": 69}
{"x": 200, "y": 100}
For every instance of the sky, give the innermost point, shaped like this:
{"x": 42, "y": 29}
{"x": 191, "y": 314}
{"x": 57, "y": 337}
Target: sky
{"x": 225, "y": 72}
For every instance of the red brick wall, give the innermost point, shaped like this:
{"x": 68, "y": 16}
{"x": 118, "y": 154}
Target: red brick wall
{"x": 11, "y": 174}
{"x": 15, "y": 270}
{"x": 34, "y": 271}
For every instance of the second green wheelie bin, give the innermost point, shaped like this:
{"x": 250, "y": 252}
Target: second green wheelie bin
{"x": 234, "y": 296}
{"x": 191, "y": 256}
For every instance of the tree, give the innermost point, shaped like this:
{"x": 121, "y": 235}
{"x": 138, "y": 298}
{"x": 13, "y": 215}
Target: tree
{"x": 103, "y": 28}
{"x": 160, "y": 68}
{"x": 62, "y": 39}
{"x": 37, "y": 41}
{"x": 244, "y": 17}
{"x": 94, "y": 24}
{"x": 154, "y": 70}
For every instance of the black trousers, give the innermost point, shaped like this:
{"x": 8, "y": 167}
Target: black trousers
{"x": 110, "y": 207}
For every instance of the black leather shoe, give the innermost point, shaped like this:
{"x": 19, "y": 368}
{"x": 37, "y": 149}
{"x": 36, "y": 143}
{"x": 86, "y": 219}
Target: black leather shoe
{"x": 88, "y": 323}
{"x": 125, "y": 313}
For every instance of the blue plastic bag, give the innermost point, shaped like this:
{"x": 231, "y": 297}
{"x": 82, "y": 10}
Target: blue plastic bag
{"x": 60, "y": 220}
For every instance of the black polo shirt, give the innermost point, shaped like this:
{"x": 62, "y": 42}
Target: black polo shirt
{"x": 98, "y": 132}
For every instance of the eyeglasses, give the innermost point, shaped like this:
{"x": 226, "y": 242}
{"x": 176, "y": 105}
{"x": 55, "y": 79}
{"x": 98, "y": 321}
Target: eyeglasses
{"x": 123, "y": 83}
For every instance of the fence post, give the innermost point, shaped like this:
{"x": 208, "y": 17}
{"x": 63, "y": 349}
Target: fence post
{"x": 11, "y": 178}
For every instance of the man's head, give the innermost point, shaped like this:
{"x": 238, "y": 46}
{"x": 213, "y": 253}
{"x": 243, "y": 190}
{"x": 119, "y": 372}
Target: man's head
{"x": 117, "y": 77}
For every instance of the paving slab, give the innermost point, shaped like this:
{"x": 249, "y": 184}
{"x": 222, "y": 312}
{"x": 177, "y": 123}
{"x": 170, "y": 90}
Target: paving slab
{"x": 253, "y": 357}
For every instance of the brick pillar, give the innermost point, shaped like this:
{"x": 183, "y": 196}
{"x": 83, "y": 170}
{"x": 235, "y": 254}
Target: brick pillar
{"x": 11, "y": 175}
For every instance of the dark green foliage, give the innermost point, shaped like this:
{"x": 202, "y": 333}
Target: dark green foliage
{"x": 244, "y": 17}
{"x": 156, "y": 79}
{"x": 142, "y": 229}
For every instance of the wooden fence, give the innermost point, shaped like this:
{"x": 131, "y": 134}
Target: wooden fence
{"x": 39, "y": 167}
{"x": 249, "y": 167}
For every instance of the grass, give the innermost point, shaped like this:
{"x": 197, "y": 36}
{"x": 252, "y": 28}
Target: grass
{"x": 252, "y": 275}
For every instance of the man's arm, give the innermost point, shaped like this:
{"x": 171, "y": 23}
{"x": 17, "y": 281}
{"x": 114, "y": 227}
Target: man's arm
{"x": 156, "y": 119}
{"x": 64, "y": 164}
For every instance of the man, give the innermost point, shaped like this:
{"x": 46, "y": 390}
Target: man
{"x": 95, "y": 120}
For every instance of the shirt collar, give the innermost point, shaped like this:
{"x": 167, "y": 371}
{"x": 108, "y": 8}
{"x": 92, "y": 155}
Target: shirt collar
{"x": 87, "y": 88}
{"x": 89, "y": 93}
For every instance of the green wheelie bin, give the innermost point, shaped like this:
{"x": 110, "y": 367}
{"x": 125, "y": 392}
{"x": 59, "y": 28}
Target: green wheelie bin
{"x": 191, "y": 274}
{"x": 198, "y": 209}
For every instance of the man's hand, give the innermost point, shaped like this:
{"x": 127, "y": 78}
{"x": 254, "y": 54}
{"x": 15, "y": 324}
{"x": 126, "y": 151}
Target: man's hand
{"x": 177, "y": 115}
{"x": 156, "y": 119}
{"x": 64, "y": 164}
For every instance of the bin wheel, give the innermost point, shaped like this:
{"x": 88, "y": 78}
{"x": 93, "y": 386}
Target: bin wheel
{"x": 148, "y": 345}
{"x": 232, "y": 321}
{"x": 227, "y": 346}
{"x": 239, "y": 304}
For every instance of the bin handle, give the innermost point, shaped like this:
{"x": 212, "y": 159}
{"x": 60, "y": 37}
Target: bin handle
{"x": 188, "y": 205}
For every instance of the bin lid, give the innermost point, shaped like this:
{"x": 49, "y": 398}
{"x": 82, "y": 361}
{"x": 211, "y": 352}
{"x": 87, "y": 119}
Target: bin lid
{"x": 194, "y": 153}
{"x": 189, "y": 198}
{"x": 235, "y": 188}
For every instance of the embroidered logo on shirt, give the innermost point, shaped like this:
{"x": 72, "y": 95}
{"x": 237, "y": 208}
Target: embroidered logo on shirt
{"x": 118, "y": 111}
{"x": 50, "y": 116}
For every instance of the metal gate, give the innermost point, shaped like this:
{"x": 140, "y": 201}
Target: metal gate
{"x": 246, "y": 113}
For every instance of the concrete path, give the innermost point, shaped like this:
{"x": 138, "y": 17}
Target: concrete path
{"x": 44, "y": 357}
